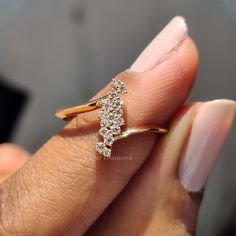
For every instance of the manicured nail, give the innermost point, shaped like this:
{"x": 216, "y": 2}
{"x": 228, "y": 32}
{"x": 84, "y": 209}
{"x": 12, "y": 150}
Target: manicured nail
{"x": 209, "y": 131}
{"x": 168, "y": 39}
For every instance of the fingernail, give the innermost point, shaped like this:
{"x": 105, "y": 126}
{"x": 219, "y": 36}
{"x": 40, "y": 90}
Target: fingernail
{"x": 209, "y": 131}
{"x": 168, "y": 39}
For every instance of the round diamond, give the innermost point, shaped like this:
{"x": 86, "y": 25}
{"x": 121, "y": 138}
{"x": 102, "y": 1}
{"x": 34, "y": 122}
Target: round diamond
{"x": 120, "y": 121}
{"x": 111, "y": 116}
{"x": 107, "y": 105}
{"x": 115, "y": 128}
{"x": 117, "y": 115}
{"x": 103, "y": 150}
{"x": 119, "y": 85}
{"x": 116, "y": 100}
{"x": 107, "y": 152}
{"x": 100, "y": 147}
{"x": 112, "y": 94}
{"x": 105, "y": 123}
{"x": 103, "y": 115}
{"x": 109, "y": 139}
{"x": 114, "y": 82}
{"x": 103, "y": 131}
{"x": 118, "y": 111}
{"x": 117, "y": 104}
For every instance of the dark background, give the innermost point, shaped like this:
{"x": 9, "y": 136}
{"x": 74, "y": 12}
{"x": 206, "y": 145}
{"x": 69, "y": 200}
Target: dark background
{"x": 55, "y": 53}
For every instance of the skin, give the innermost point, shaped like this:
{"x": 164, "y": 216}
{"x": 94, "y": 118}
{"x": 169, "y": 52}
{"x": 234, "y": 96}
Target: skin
{"x": 63, "y": 190}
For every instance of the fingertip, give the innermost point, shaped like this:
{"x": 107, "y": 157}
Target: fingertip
{"x": 191, "y": 59}
{"x": 162, "y": 90}
{"x": 12, "y": 150}
{"x": 12, "y": 157}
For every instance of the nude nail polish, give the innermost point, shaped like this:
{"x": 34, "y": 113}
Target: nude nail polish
{"x": 168, "y": 39}
{"x": 209, "y": 131}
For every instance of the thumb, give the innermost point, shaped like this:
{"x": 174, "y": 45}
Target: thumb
{"x": 164, "y": 195}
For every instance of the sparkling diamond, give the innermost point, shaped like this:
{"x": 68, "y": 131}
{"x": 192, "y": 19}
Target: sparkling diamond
{"x": 107, "y": 152}
{"x": 119, "y": 85}
{"x": 107, "y": 105}
{"x": 116, "y": 103}
{"x": 120, "y": 121}
{"x": 103, "y": 131}
{"x": 105, "y": 123}
{"x": 103, "y": 150}
{"x": 117, "y": 115}
{"x": 103, "y": 115}
{"x": 100, "y": 147}
{"x": 111, "y": 116}
{"x": 113, "y": 94}
{"x": 115, "y": 128}
{"x": 109, "y": 139}
{"x": 118, "y": 111}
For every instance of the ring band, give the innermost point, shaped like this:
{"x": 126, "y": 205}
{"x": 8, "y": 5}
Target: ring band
{"x": 111, "y": 118}
{"x": 142, "y": 129}
{"x": 106, "y": 151}
{"x": 72, "y": 112}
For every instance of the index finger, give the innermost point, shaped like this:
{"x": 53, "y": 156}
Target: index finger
{"x": 63, "y": 189}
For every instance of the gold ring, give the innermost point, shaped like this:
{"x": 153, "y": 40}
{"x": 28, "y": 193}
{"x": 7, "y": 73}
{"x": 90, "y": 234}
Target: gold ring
{"x": 111, "y": 118}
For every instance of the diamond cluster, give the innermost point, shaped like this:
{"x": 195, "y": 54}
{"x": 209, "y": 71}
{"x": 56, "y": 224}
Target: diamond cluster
{"x": 111, "y": 117}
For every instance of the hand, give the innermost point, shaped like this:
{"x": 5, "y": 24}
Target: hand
{"x": 63, "y": 190}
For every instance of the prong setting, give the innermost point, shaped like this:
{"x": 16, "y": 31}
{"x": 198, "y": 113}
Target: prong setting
{"x": 111, "y": 117}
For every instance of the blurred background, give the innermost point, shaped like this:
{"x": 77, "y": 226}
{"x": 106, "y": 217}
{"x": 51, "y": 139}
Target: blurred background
{"x": 55, "y": 53}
